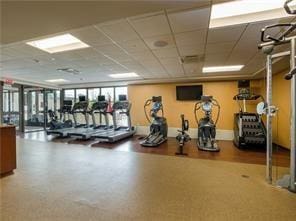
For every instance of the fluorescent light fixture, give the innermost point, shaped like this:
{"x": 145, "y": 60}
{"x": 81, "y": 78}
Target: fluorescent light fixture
{"x": 222, "y": 68}
{"x": 58, "y": 43}
{"x": 124, "y": 75}
{"x": 246, "y": 11}
{"x": 56, "y": 80}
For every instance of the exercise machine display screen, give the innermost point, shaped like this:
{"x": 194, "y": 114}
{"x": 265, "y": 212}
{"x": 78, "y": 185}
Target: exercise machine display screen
{"x": 82, "y": 98}
{"x": 101, "y": 98}
{"x": 189, "y": 93}
{"x": 122, "y": 97}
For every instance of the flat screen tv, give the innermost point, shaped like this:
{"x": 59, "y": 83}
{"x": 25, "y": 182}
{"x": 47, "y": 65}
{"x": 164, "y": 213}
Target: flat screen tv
{"x": 189, "y": 93}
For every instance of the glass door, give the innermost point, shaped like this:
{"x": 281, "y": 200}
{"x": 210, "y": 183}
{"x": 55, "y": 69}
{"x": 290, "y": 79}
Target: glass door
{"x": 11, "y": 114}
{"x": 34, "y": 109}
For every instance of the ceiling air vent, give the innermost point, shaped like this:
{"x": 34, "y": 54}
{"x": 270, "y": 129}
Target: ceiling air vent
{"x": 69, "y": 70}
{"x": 192, "y": 59}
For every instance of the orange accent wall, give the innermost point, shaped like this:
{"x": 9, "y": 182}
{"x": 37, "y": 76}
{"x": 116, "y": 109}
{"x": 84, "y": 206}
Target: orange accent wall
{"x": 222, "y": 91}
{"x": 281, "y": 96}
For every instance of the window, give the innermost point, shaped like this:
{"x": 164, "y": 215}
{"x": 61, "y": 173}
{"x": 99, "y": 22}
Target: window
{"x": 93, "y": 95}
{"x": 5, "y": 101}
{"x": 120, "y": 91}
{"x": 58, "y": 98}
{"x": 108, "y": 92}
{"x": 40, "y": 101}
{"x": 50, "y": 101}
{"x": 15, "y": 102}
{"x": 69, "y": 95}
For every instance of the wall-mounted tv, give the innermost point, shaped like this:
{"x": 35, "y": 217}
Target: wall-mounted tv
{"x": 189, "y": 93}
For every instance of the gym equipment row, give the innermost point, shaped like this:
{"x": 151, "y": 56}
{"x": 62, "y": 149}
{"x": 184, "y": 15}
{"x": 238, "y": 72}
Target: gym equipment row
{"x": 103, "y": 132}
{"x": 159, "y": 128}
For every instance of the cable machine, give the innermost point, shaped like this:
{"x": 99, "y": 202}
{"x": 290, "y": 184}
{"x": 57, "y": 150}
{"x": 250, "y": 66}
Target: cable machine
{"x": 268, "y": 43}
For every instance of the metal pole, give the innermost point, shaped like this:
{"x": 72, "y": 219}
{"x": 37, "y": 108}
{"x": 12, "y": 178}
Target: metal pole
{"x": 292, "y": 186}
{"x": 269, "y": 120}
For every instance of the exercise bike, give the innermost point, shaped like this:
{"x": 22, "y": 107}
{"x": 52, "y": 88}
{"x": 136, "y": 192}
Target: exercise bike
{"x": 206, "y": 126}
{"x": 183, "y": 137}
{"x": 158, "y": 124}
{"x": 56, "y": 124}
{"x": 63, "y": 122}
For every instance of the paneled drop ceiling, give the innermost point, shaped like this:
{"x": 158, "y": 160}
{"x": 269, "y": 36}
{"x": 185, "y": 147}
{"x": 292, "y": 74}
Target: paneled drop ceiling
{"x": 130, "y": 45}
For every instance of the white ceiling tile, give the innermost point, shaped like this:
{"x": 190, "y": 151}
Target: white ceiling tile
{"x": 253, "y": 30}
{"x": 187, "y": 50}
{"x": 193, "y": 68}
{"x": 166, "y": 52}
{"x": 215, "y": 59}
{"x": 166, "y": 38}
{"x": 170, "y": 61}
{"x": 225, "y": 34}
{"x": 239, "y": 58}
{"x": 67, "y": 56}
{"x": 190, "y": 20}
{"x": 134, "y": 46}
{"x": 107, "y": 49}
{"x": 152, "y": 25}
{"x": 225, "y": 47}
{"x": 173, "y": 66}
{"x": 119, "y": 31}
{"x": 246, "y": 46}
{"x": 90, "y": 35}
{"x": 87, "y": 52}
{"x": 191, "y": 38}
{"x": 153, "y": 66}
{"x": 120, "y": 57}
{"x": 142, "y": 55}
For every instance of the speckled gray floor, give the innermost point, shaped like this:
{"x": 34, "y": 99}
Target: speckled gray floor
{"x": 72, "y": 182}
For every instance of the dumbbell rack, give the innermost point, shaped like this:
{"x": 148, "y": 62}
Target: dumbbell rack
{"x": 249, "y": 130}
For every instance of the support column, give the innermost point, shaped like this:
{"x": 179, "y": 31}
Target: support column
{"x": 292, "y": 185}
{"x": 22, "y": 108}
{"x": 1, "y": 102}
{"x": 269, "y": 120}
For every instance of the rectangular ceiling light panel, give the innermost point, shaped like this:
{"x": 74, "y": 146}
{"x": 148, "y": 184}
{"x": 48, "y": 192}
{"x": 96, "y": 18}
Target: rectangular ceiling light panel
{"x": 222, "y": 68}
{"x": 56, "y": 80}
{"x": 124, "y": 75}
{"x": 246, "y": 11}
{"x": 58, "y": 43}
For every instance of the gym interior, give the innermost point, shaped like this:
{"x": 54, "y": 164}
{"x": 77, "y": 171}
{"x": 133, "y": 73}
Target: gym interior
{"x": 148, "y": 110}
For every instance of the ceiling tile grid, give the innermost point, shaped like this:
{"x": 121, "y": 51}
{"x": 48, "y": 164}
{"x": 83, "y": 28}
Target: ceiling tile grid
{"x": 150, "y": 45}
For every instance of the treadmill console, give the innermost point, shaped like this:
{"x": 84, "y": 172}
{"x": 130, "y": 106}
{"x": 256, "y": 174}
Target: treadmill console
{"x": 121, "y": 105}
{"x": 100, "y": 106}
{"x": 122, "y": 97}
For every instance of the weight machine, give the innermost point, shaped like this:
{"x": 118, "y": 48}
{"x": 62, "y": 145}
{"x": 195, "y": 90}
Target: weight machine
{"x": 268, "y": 43}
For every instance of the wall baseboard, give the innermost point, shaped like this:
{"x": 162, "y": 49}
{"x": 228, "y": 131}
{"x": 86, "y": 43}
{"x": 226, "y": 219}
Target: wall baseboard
{"x": 172, "y": 132}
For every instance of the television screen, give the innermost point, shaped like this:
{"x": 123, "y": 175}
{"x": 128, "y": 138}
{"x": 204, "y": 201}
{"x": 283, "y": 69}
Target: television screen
{"x": 189, "y": 93}
{"x": 243, "y": 83}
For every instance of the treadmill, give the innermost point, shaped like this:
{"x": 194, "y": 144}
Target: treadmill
{"x": 65, "y": 111}
{"x": 80, "y": 129}
{"x": 86, "y": 132}
{"x": 120, "y": 108}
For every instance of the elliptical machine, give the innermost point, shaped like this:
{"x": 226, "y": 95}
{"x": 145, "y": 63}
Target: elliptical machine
{"x": 206, "y": 126}
{"x": 158, "y": 124}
